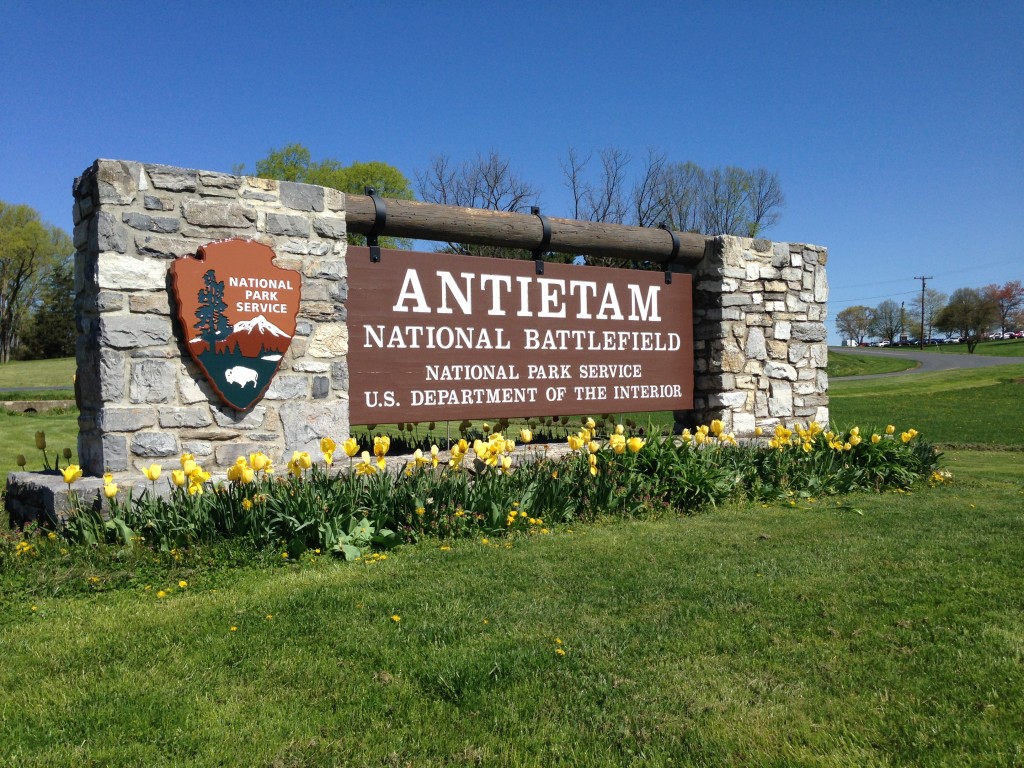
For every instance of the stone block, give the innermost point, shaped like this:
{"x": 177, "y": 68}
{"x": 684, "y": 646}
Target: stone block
{"x": 311, "y": 366}
{"x": 219, "y": 181}
{"x": 105, "y": 234}
{"x": 171, "y": 179}
{"x": 166, "y": 247}
{"x": 334, "y": 200}
{"x": 291, "y": 226}
{"x": 117, "y": 181}
{"x": 755, "y": 346}
{"x": 125, "y": 419}
{"x": 776, "y": 370}
{"x": 809, "y": 331}
{"x": 150, "y": 303}
{"x": 321, "y": 386}
{"x": 332, "y": 227}
{"x": 305, "y": 423}
{"x": 780, "y": 398}
{"x": 152, "y": 381}
{"x": 228, "y": 417}
{"x": 157, "y": 203}
{"x": 134, "y": 331}
{"x": 109, "y": 301}
{"x": 191, "y": 390}
{"x": 329, "y": 340}
{"x": 149, "y": 223}
{"x": 118, "y": 272}
{"x": 214, "y": 213}
{"x": 301, "y": 197}
{"x": 177, "y": 418}
{"x": 288, "y": 387}
{"x": 154, "y": 445}
{"x": 783, "y": 329}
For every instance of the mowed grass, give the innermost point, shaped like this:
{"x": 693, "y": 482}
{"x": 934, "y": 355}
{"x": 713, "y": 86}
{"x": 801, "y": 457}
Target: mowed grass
{"x": 864, "y": 630}
{"x": 53, "y": 374}
{"x": 852, "y": 364}
{"x": 887, "y": 630}
{"x": 962, "y": 407}
{"x": 17, "y": 436}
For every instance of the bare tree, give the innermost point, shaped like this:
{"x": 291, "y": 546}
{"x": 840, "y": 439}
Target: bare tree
{"x": 764, "y": 201}
{"x": 887, "y": 320}
{"x": 681, "y": 190}
{"x": 487, "y": 182}
{"x": 648, "y": 197}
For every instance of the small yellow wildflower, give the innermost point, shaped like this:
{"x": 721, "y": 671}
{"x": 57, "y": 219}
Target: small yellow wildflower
{"x": 396, "y": 618}
{"x": 161, "y": 595}
{"x": 182, "y": 584}
{"x": 234, "y": 629}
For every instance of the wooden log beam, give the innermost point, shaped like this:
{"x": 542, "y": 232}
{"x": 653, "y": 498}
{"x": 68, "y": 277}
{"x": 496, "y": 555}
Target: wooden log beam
{"x": 449, "y": 223}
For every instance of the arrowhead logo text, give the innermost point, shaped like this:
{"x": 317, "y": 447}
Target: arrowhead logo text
{"x": 237, "y": 313}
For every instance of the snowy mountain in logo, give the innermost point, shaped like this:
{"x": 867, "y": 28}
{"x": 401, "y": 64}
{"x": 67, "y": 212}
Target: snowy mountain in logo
{"x": 255, "y": 337}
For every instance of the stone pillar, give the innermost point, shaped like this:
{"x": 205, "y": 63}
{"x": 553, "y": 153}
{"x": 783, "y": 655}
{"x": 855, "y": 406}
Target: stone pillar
{"x": 142, "y": 399}
{"x": 760, "y": 344}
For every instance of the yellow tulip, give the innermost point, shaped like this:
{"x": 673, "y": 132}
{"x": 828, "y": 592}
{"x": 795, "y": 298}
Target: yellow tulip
{"x": 259, "y": 461}
{"x": 178, "y": 477}
{"x": 619, "y": 429}
{"x": 590, "y": 424}
{"x": 71, "y": 473}
{"x": 248, "y": 475}
{"x": 329, "y": 458}
{"x": 575, "y": 442}
{"x": 716, "y": 427}
{"x": 188, "y": 466}
{"x": 635, "y": 444}
{"x": 506, "y": 463}
{"x": 758, "y": 431}
{"x": 351, "y": 447}
{"x": 875, "y": 438}
{"x": 618, "y": 443}
{"x": 890, "y": 429}
{"x": 381, "y": 445}
{"x": 186, "y": 457}
{"x": 152, "y": 472}
{"x": 592, "y": 460}
{"x": 110, "y": 490}
{"x": 327, "y": 445}
{"x": 593, "y": 446}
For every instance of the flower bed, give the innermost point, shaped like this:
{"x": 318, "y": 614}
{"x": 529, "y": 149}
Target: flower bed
{"x": 491, "y": 487}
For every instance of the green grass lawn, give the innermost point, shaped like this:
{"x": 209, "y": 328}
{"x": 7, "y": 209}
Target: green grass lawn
{"x": 852, "y": 364}
{"x": 55, "y": 374}
{"x": 873, "y": 630}
{"x": 964, "y": 407}
{"x": 860, "y": 630}
{"x": 17, "y": 435}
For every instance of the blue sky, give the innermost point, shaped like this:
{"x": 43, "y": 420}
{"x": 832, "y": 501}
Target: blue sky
{"x": 897, "y": 128}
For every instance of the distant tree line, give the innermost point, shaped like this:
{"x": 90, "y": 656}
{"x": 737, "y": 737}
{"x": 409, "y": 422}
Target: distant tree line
{"x": 969, "y": 313}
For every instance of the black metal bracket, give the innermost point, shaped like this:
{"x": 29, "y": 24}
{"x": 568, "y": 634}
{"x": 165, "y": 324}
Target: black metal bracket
{"x": 675, "y": 251}
{"x": 545, "y": 239}
{"x": 380, "y": 217}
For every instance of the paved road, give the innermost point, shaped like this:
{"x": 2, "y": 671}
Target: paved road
{"x": 927, "y": 361}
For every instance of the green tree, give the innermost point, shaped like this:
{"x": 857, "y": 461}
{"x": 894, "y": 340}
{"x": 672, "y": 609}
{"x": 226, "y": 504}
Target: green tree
{"x": 28, "y": 249}
{"x": 854, "y": 322}
{"x": 294, "y": 163}
{"x": 50, "y": 331}
{"x": 970, "y": 312}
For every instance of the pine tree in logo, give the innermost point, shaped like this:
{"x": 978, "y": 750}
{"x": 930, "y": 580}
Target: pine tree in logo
{"x": 212, "y": 323}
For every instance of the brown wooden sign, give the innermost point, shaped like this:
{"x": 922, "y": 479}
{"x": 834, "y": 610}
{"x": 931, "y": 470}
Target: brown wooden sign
{"x": 436, "y": 336}
{"x": 237, "y": 313}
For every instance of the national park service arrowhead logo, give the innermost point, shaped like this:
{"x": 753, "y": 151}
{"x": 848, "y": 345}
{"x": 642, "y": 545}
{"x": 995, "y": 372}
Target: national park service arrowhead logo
{"x": 237, "y": 312}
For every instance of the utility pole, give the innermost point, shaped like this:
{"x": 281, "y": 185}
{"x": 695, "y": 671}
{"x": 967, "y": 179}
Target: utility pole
{"x": 924, "y": 279}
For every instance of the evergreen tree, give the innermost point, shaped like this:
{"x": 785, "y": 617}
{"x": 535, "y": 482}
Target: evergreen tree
{"x": 211, "y": 320}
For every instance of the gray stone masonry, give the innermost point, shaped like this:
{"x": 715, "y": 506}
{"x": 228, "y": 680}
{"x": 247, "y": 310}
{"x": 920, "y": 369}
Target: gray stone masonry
{"x": 760, "y": 346}
{"x": 142, "y": 398}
